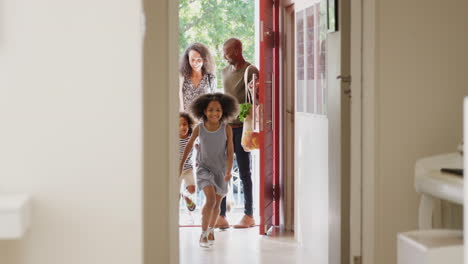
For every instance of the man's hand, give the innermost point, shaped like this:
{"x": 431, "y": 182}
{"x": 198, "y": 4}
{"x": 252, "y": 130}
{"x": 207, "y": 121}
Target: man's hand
{"x": 228, "y": 176}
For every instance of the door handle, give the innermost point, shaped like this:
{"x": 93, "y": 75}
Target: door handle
{"x": 344, "y": 78}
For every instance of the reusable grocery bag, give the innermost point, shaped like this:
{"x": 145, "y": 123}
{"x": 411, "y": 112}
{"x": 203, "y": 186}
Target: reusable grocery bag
{"x": 249, "y": 115}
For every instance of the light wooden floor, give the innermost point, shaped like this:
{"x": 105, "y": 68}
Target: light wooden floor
{"x": 240, "y": 246}
{"x": 187, "y": 218}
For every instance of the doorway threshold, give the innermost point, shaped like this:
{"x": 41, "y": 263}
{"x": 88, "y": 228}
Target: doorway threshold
{"x": 193, "y": 219}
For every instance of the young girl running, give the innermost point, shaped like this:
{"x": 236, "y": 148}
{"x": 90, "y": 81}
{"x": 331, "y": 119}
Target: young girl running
{"x": 214, "y": 156}
{"x": 185, "y": 131}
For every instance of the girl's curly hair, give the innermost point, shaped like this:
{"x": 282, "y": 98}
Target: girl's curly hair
{"x": 228, "y": 103}
{"x": 189, "y": 120}
{"x": 208, "y": 63}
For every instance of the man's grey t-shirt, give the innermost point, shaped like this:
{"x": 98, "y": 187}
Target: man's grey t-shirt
{"x": 233, "y": 82}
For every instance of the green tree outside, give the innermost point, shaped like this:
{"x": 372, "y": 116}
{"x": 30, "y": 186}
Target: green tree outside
{"x": 212, "y": 22}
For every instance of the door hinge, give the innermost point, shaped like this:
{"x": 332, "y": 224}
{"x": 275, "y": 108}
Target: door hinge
{"x": 274, "y": 192}
{"x": 357, "y": 260}
{"x": 271, "y": 36}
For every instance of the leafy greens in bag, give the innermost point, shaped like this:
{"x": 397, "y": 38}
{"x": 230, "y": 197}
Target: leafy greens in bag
{"x": 244, "y": 111}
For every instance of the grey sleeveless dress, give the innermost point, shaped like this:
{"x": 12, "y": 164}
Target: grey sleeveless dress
{"x": 211, "y": 159}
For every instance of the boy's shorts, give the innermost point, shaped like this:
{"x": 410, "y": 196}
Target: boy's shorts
{"x": 187, "y": 177}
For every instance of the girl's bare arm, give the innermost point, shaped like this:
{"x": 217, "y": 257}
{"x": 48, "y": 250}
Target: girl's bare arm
{"x": 230, "y": 153}
{"x": 188, "y": 148}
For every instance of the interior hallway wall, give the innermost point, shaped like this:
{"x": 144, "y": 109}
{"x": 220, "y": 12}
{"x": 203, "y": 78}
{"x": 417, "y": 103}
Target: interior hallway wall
{"x": 71, "y": 128}
{"x": 420, "y": 81}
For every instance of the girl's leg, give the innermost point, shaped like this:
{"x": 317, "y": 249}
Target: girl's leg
{"x": 209, "y": 206}
{"x": 215, "y": 210}
{"x": 214, "y": 217}
{"x": 207, "y": 212}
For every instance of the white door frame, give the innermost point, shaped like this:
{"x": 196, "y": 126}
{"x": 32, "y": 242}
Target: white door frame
{"x": 363, "y": 131}
{"x": 159, "y": 25}
{"x": 173, "y": 97}
{"x": 369, "y": 148}
{"x": 287, "y": 116}
{"x": 356, "y": 133}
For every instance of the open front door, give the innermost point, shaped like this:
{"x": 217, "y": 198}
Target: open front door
{"x": 269, "y": 120}
{"x": 322, "y": 130}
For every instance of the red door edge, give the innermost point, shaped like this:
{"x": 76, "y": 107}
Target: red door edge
{"x": 277, "y": 124}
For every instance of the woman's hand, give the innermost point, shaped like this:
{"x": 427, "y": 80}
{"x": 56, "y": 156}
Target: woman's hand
{"x": 228, "y": 176}
{"x": 253, "y": 83}
{"x": 254, "y": 87}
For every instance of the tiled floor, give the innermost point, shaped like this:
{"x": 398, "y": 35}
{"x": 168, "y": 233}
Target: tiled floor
{"x": 240, "y": 246}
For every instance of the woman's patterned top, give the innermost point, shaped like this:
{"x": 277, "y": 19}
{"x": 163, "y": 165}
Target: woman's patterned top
{"x": 190, "y": 93}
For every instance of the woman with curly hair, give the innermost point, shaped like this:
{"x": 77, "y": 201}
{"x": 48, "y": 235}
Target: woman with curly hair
{"x": 215, "y": 154}
{"x": 197, "y": 74}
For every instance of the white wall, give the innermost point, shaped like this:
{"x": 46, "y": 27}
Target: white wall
{"x": 71, "y": 128}
{"x": 413, "y": 87}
